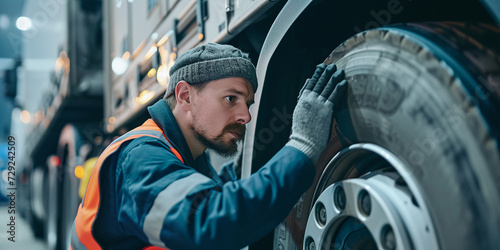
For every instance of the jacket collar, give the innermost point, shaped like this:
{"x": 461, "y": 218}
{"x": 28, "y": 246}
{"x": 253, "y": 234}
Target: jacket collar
{"x": 163, "y": 117}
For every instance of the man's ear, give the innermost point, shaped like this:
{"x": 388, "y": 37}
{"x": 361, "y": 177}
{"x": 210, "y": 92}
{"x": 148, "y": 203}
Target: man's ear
{"x": 183, "y": 94}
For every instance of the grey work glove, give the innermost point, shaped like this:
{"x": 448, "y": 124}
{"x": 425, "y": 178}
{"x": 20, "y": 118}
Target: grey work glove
{"x": 313, "y": 115}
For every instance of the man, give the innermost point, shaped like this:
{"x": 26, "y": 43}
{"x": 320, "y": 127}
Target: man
{"x": 155, "y": 186}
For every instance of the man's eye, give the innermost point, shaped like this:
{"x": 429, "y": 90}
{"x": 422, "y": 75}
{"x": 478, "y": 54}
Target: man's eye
{"x": 230, "y": 98}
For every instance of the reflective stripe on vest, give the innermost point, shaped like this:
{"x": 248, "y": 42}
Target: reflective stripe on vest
{"x": 81, "y": 237}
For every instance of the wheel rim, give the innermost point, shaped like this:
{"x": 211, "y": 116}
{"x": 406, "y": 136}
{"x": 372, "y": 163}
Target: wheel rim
{"x": 367, "y": 193}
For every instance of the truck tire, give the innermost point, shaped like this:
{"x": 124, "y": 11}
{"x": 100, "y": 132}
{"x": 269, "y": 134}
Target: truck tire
{"x": 38, "y": 195}
{"x": 64, "y": 187}
{"x": 413, "y": 160}
{"x": 54, "y": 173}
{"x": 70, "y": 202}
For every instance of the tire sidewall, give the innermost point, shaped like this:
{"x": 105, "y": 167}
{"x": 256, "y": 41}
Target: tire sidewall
{"x": 418, "y": 119}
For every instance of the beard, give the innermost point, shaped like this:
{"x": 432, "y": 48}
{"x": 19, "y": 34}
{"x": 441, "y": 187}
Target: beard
{"x": 216, "y": 143}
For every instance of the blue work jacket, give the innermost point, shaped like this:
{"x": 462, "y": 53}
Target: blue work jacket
{"x": 150, "y": 197}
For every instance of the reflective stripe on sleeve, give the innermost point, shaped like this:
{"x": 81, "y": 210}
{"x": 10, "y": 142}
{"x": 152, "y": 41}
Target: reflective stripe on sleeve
{"x": 165, "y": 200}
{"x": 76, "y": 244}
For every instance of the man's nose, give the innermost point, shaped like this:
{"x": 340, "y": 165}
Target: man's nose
{"x": 244, "y": 116}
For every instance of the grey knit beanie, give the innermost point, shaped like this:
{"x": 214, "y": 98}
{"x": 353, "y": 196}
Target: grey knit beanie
{"x": 210, "y": 62}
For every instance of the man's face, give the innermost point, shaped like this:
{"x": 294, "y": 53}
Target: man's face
{"x": 220, "y": 112}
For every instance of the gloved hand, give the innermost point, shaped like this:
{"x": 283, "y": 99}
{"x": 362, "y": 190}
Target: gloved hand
{"x": 313, "y": 115}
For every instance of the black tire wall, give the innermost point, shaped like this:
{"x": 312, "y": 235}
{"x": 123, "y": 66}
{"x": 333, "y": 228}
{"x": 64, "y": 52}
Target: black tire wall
{"x": 429, "y": 93}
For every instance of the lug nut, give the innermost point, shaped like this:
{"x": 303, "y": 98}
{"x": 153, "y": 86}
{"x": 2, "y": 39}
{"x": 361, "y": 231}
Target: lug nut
{"x": 310, "y": 244}
{"x": 364, "y": 203}
{"x": 339, "y": 198}
{"x": 388, "y": 238}
{"x": 321, "y": 213}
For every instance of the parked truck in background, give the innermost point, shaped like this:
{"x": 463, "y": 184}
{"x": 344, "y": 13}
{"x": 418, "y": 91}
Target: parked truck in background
{"x": 413, "y": 160}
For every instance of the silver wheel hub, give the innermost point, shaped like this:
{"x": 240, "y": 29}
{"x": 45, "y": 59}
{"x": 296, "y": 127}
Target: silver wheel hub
{"x": 380, "y": 209}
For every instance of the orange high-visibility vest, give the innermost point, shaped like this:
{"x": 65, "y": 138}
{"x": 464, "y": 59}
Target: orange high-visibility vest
{"x": 82, "y": 237}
